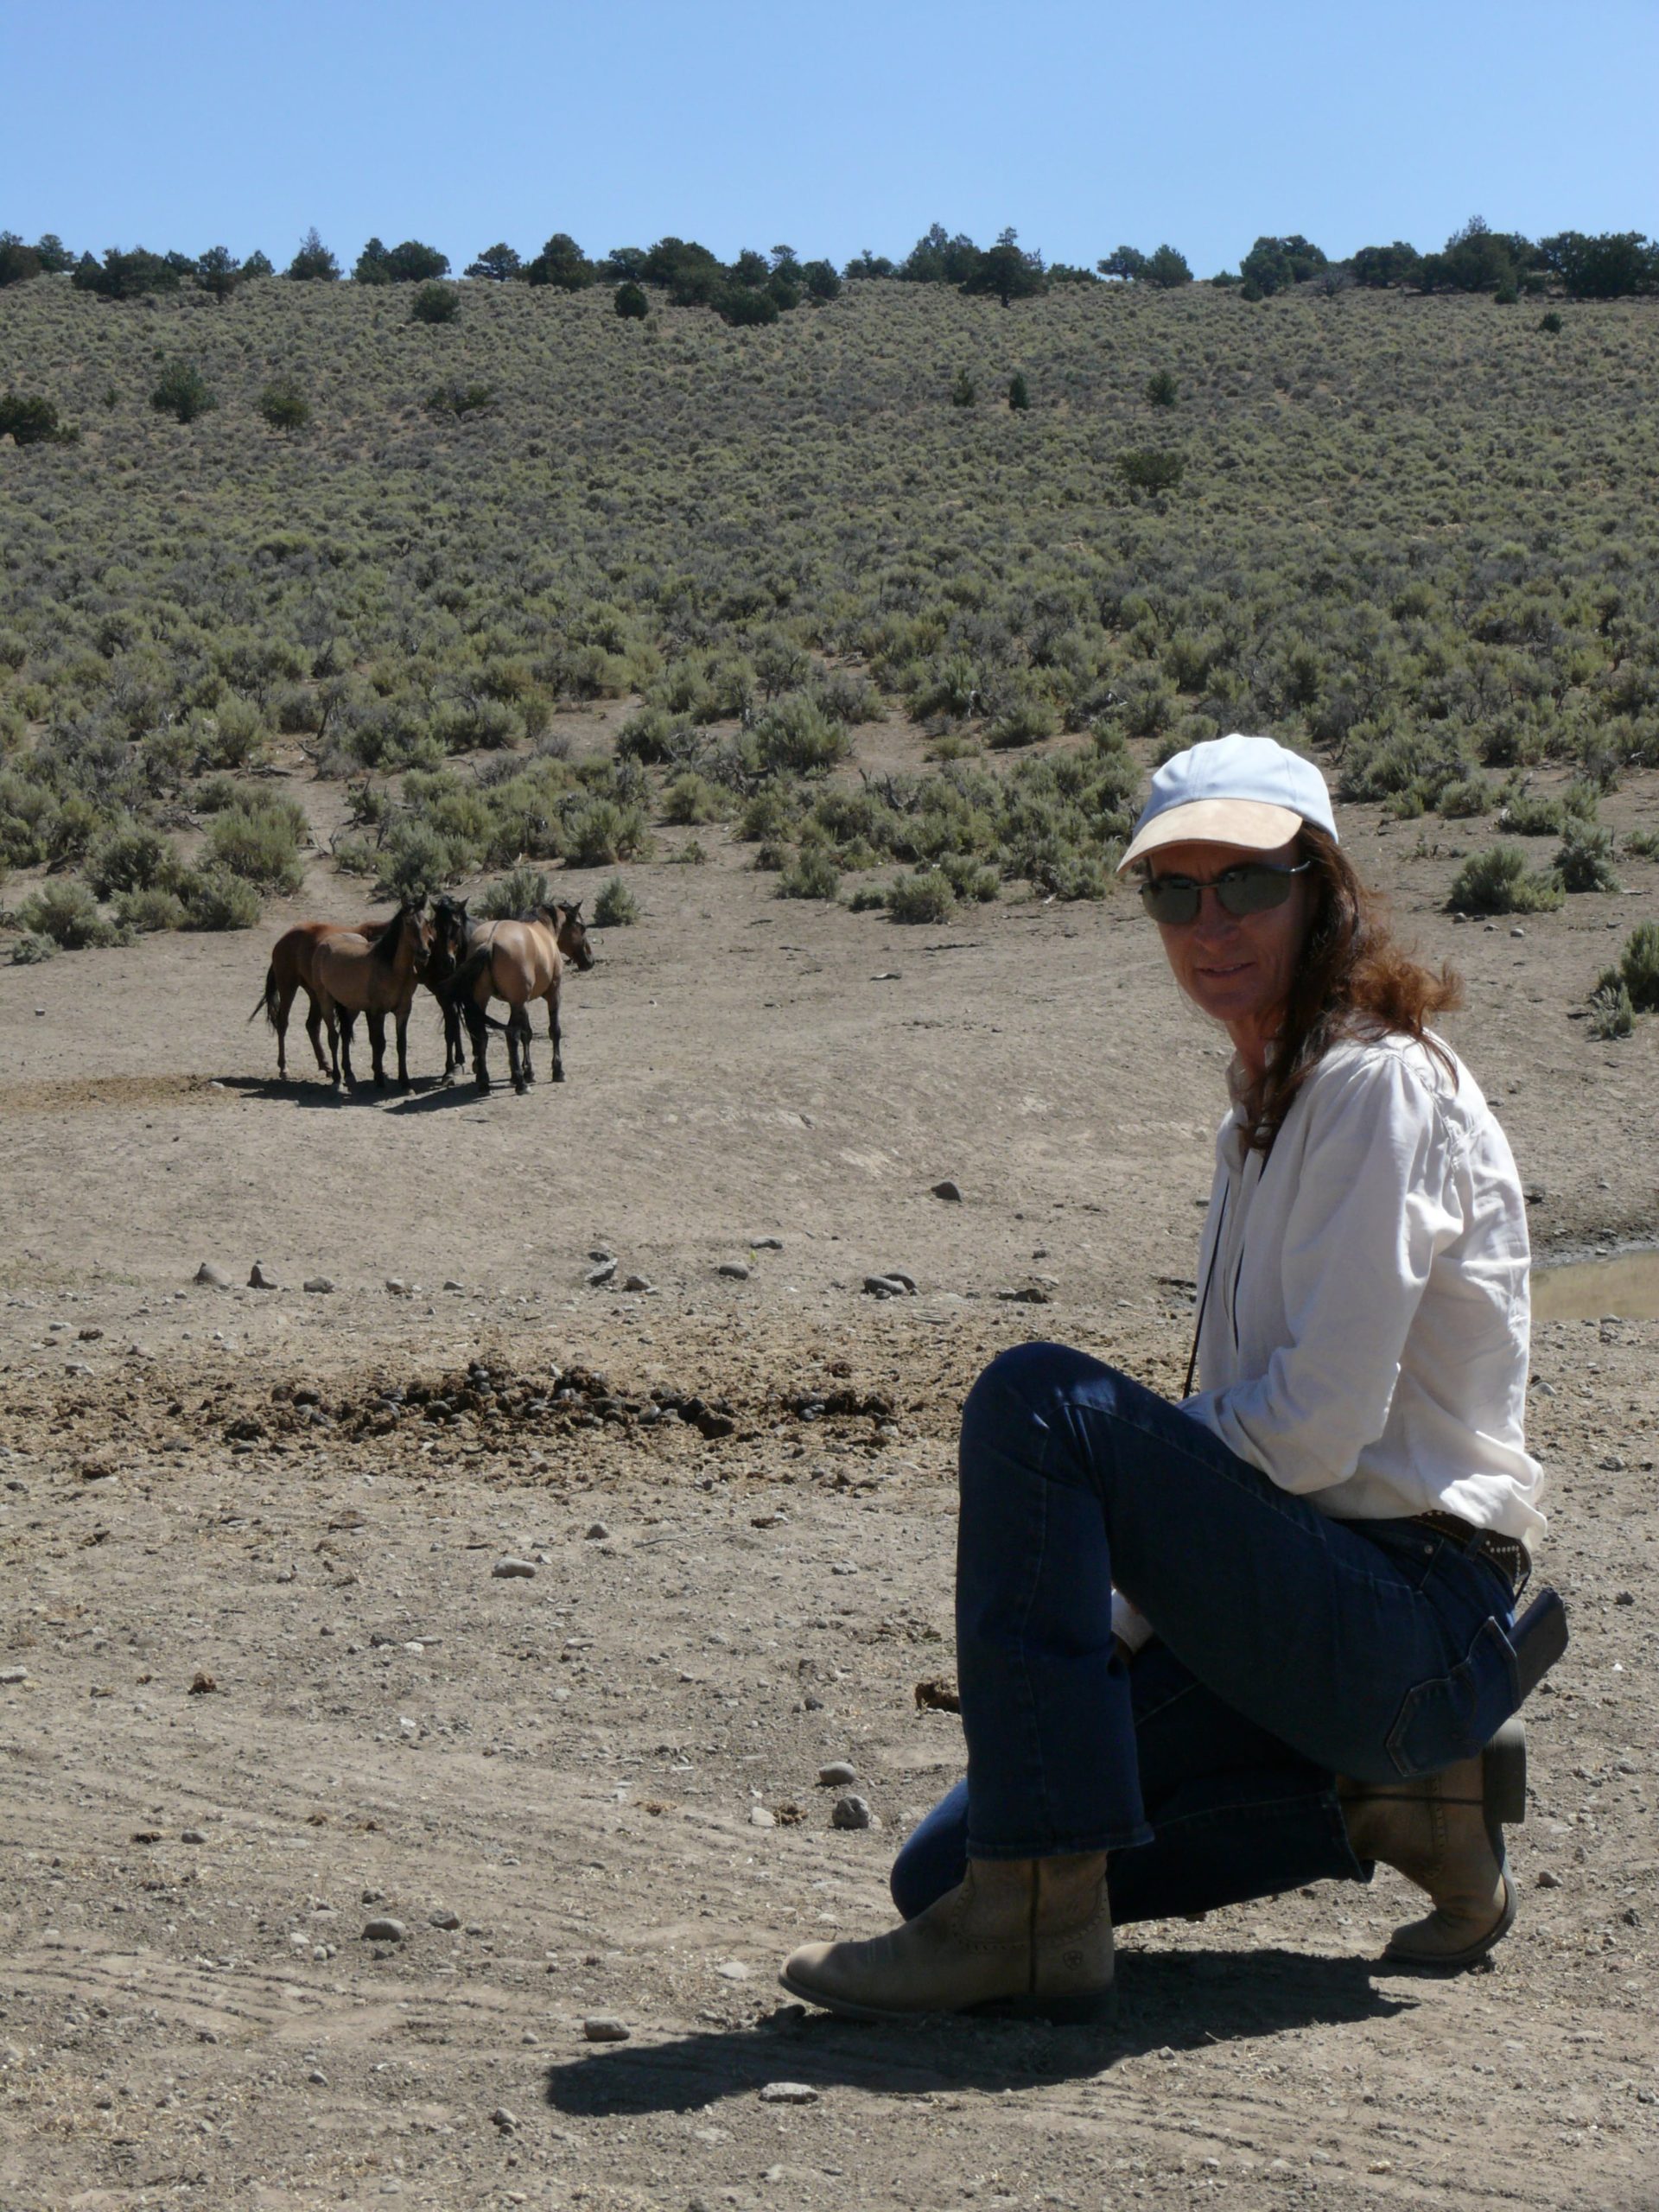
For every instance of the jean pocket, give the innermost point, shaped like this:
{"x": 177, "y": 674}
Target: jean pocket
{"x": 1449, "y": 1717}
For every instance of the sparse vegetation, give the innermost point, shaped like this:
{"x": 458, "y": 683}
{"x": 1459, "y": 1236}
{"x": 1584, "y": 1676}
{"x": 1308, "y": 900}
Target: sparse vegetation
{"x": 616, "y": 908}
{"x": 1498, "y": 881}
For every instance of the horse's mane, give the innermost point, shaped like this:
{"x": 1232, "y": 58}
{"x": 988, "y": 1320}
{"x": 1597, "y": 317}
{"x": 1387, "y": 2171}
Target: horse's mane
{"x": 385, "y": 947}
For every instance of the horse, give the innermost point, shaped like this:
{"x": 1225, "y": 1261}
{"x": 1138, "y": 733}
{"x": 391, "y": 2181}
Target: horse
{"x": 519, "y": 960}
{"x": 291, "y": 971}
{"x": 351, "y": 976}
{"x": 454, "y": 934}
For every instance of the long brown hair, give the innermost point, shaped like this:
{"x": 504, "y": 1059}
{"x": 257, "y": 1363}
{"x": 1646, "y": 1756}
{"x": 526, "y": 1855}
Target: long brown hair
{"x": 1354, "y": 979}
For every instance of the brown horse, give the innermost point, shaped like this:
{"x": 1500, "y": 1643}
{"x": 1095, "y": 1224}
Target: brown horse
{"x": 521, "y": 961}
{"x": 352, "y": 976}
{"x": 291, "y": 971}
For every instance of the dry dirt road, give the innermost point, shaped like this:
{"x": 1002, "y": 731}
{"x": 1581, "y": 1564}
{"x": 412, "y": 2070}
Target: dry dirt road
{"x": 261, "y": 1687}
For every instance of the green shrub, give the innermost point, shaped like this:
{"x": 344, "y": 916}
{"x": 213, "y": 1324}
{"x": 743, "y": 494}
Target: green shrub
{"x": 153, "y": 907}
{"x": 1027, "y": 721}
{"x": 31, "y": 949}
{"x": 1151, "y": 469}
{"x": 66, "y": 913}
{"x": 1584, "y": 861}
{"x": 868, "y": 898}
{"x": 213, "y": 898}
{"x": 1612, "y": 1011}
{"x": 514, "y": 893}
{"x": 646, "y": 736}
{"x": 136, "y": 858}
{"x": 1464, "y": 797}
{"x": 616, "y": 906}
{"x": 1638, "y": 966}
{"x": 794, "y": 737}
{"x": 771, "y": 814}
{"x": 434, "y": 303}
{"x": 1551, "y": 322}
{"x": 182, "y": 391}
{"x": 417, "y": 862}
{"x": 630, "y": 303}
{"x": 1529, "y": 816}
{"x": 1642, "y": 845}
{"x": 1496, "y": 882}
{"x": 1018, "y": 393}
{"x": 964, "y": 391}
{"x": 598, "y": 832}
{"x": 813, "y": 873}
{"x": 461, "y": 399}
{"x": 969, "y": 878}
{"x": 691, "y": 855}
{"x": 691, "y": 798}
{"x": 32, "y": 422}
{"x": 284, "y": 406}
{"x": 1161, "y": 390}
{"x": 260, "y": 843}
{"x": 926, "y": 896}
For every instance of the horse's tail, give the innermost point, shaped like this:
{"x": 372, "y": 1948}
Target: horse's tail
{"x": 269, "y": 998}
{"x": 450, "y": 990}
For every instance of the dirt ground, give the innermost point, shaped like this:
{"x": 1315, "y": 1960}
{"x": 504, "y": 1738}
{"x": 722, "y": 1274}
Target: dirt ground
{"x": 260, "y": 1684}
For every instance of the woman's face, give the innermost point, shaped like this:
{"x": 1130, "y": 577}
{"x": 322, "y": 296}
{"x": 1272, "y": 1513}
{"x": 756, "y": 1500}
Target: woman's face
{"x": 1237, "y": 968}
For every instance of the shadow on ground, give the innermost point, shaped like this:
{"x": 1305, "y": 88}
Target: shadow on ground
{"x": 1171, "y": 2000}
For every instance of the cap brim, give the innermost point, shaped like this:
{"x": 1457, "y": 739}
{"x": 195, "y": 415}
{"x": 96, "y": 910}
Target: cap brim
{"x": 1249, "y": 823}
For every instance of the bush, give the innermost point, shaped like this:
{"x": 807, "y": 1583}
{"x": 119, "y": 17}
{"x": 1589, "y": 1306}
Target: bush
{"x": 1496, "y": 882}
{"x": 32, "y": 422}
{"x": 1025, "y": 722}
{"x": 461, "y": 399}
{"x": 739, "y": 304}
{"x": 795, "y": 737}
{"x": 65, "y": 913}
{"x": 616, "y": 906}
{"x": 598, "y": 832}
{"x": 1525, "y": 815}
{"x": 182, "y": 391}
{"x": 691, "y": 798}
{"x": 514, "y": 893}
{"x": 31, "y": 949}
{"x": 1612, "y": 1012}
{"x": 964, "y": 391}
{"x": 1638, "y": 965}
{"x": 1019, "y": 392}
{"x": 258, "y": 841}
{"x": 152, "y": 908}
{"x": 1151, "y": 469}
{"x": 812, "y": 875}
{"x": 868, "y": 898}
{"x": 630, "y": 303}
{"x": 1551, "y": 323}
{"x": 434, "y": 303}
{"x": 213, "y": 898}
{"x": 284, "y": 406}
{"x": 1584, "y": 861}
{"x": 926, "y": 896}
{"x": 138, "y": 859}
{"x": 1162, "y": 389}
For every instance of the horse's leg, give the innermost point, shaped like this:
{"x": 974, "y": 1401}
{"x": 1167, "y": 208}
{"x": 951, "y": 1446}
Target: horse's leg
{"x": 525, "y": 1038}
{"x": 513, "y": 1066}
{"x": 553, "y": 1032}
{"x": 375, "y": 1021}
{"x": 313, "y": 1025}
{"x": 347, "y": 1017}
{"x": 480, "y": 1036}
{"x": 453, "y": 1057}
{"x": 401, "y": 1021}
{"x": 327, "y": 1015}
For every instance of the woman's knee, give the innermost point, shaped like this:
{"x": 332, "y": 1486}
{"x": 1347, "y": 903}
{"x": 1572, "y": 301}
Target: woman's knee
{"x": 1028, "y": 1382}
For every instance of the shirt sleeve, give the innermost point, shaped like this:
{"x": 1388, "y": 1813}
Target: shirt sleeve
{"x": 1130, "y": 1626}
{"x": 1376, "y": 1198}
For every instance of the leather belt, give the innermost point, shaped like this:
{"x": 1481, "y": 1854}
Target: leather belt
{"x": 1507, "y": 1554}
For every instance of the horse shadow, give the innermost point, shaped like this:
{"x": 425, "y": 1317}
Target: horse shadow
{"x": 427, "y": 1094}
{"x": 1170, "y": 2001}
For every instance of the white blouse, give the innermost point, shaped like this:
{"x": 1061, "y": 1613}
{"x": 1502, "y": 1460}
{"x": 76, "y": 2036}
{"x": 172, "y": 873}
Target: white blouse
{"x": 1365, "y": 1341}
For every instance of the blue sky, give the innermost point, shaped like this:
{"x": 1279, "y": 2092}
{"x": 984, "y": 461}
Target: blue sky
{"x": 1084, "y": 124}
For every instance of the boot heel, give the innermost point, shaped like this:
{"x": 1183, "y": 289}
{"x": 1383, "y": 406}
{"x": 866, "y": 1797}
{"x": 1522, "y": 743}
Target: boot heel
{"x": 1503, "y": 1776}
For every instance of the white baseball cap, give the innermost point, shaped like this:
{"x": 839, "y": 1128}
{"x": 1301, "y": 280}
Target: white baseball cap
{"x": 1231, "y": 790}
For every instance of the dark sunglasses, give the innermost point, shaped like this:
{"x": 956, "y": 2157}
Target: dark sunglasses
{"x": 1249, "y": 889}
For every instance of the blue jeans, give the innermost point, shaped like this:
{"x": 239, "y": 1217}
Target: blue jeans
{"x": 1290, "y": 1646}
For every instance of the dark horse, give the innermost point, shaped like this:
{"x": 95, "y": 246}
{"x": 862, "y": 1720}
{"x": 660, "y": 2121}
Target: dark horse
{"x": 519, "y": 961}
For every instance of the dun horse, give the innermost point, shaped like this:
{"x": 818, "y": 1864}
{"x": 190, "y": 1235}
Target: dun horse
{"x": 291, "y": 971}
{"x": 352, "y": 976}
{"x": 520, "y": 961}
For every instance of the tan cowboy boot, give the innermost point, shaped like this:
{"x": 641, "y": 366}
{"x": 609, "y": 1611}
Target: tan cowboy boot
{"x": 1028, "y": 1937}
{"x": 1445, "y": 1832}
